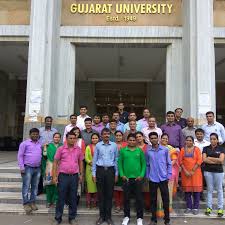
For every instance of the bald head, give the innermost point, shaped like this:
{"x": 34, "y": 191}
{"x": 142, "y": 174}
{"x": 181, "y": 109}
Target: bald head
{"x": 190, "y": 122}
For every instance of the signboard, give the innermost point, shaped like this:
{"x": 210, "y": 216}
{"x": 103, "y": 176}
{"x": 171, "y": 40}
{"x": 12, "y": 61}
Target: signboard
{"x": 120, "y": 13}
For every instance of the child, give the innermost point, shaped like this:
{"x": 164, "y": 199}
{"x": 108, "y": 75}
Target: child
{"x": 91, "y": 186}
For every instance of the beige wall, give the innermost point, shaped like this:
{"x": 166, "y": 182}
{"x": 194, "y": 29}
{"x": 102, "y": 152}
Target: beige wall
{"x": 14, "y": 12}
{"x": 173, "y": 19}
{"x": 219, "y": 13}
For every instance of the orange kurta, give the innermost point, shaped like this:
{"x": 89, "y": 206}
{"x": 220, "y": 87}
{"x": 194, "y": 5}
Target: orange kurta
{"x": 194, "y": 182}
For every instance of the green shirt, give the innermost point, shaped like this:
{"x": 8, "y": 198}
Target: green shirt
{"x": 131, "y": 164}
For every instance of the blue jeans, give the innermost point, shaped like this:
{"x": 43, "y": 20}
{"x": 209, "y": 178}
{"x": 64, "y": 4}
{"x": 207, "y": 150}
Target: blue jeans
{"x": 214, "y": 181}
{"x": 67, "y": 189}
{"x": 30, "y": 179}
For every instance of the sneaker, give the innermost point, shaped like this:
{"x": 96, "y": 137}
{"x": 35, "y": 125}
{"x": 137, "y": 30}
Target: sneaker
{"x": 73, "y": 222}
{"x": 27, "y": 209}
{"x": 56, "y": 222}
{"x": 125, "y": 220}
{"x": 139, "y": 221}
{"x": 220, "y": 212}
{"x": 33, "y": 206}
{"x": 195, "y": 212}
{"x": 99, "y": 221}
{"x": 187, "y": 211}
{"x": 208, "y": 211}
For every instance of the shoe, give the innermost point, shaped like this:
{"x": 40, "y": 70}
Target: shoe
{"x": 220, "y": 212}
{"x": 208, "y": 211}
{"x": 33, "y": 206}
{"x": 125, "y": 220}
{"x": 99, "y": 221}
{"x": 56, "y": 222}
{"x": 27, "y": 209}
{"x": 195, "y": 212}
{"x": 73, "y": 222}
{"x": 110, "y": 222}
{"x": 187, "y": 211}
{"x": 139, "y": 221}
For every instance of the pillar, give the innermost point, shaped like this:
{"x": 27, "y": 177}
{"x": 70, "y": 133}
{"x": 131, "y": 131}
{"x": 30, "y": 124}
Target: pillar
{"x": 199, "y": 58}
{"x": 42, "y": 62}
{"x": 174, "y": 77}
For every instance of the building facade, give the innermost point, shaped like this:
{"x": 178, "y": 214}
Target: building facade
{"x": 160, "y": 54}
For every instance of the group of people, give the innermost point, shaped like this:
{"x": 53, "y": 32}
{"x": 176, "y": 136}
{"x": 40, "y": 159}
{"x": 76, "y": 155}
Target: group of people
{"x": 121, "y": 158}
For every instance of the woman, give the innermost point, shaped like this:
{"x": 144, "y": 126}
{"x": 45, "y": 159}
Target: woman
{"x": 118, "y": 192}
{"x": 79, "y": 141}
{"x": 213, "y": 158}
{"x": 142, "y": 145}
{"x": 191, "y": 175}
{"x": 91, "y": 186}
{"x": 173, "y": 180}
{"x": 49, "y": 154}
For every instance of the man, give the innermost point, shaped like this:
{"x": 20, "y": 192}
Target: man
{"x": 178, "y": 119}
{"x": 132, "y": 177}
{"x": 119, "y": 125}
{"x": 105, "y": 174}
{"x": 69, "y": 127}
{"x": 200, "y": 142}
{"x": 144, "y": 121}
{"x": 132, "y": 116}
{"x": 46, "y": 132}
{"x": 176, "y": 138}
{"x": 123, "y": 114}
{"x": 29, "y": 161}
{"x": 132, "y": 129}
{"x": 189, "y": 130}
{"x": 152, "y": 127}
{"x": 97, "y": 125}
{"x": 68, "y": 165}
{"x": 105, "y": 119}
{"x": 88, "y": 131}
{"x": 213, "y": 126}
{"x": 83, "y": 115}
{"x": 159, "y": 171}
{"x": 46, "y": 136}
{"x": 112, "y": 129}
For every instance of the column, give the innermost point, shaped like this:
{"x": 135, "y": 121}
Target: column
{"x": 65, "y": 84}
{"x": 43, "y": 53}
{"x": 174, "y": 77}
{"x": 199, "y": 57}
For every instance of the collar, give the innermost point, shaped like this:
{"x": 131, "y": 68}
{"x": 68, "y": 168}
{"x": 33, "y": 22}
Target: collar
{"x": 160, "y": 147}
{"x": 169, "y": 124}
{"x": 97, "y": 125}
{"x": 37, "y": 142}
{"x": 107, "y": 143}
{"x": 128, "y": 149}
{"x": 209, "y": 125}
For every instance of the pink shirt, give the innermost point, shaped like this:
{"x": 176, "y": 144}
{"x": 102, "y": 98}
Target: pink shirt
{"x": 69, "y": 159}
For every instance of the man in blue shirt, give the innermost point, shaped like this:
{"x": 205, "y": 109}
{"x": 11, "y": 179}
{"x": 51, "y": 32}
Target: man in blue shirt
{"x": 119, "y": 125}
{"x": 105, "y": 174}
{"x": 159, "y": 171}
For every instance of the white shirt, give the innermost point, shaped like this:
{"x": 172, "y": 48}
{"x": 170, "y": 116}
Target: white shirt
{"x": 217, "y": 128}
{"x": 201, "y": 144}
{"x": 80, "y": 121}
{"x": 146, "y": 131}
{"x": 67, "y": 129}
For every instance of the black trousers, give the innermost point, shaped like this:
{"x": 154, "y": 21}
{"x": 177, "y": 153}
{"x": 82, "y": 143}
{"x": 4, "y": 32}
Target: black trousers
{"x": 163, "y": 186}
{"x": 67, "y": 188}
{"x": 105, "y": 179}
{"x": 133, "y": 187}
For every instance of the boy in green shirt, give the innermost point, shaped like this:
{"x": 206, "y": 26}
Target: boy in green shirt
{"x": 132, "y": 168}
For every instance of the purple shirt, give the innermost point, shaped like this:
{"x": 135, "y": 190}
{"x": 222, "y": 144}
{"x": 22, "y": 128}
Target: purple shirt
{"x": 69, "y": 159}
{"x": 29, "y": 154}
{"x": 182, "y": 122}
{"x": 98, "y": 127}
{"x": 176, "y": 138}
{"x": 143, "y": 122}
{"x": 159, "y": 166}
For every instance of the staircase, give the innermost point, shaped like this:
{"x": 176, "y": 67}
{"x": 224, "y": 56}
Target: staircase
{"x": 11, "y": 199}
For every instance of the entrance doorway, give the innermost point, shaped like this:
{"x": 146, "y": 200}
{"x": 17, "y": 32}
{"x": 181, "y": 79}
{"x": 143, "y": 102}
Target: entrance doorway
{"x": 107, "y": 74}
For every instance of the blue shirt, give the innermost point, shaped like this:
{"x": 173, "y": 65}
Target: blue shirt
{"x": 46, "y": 136}
{"x": 120, "y": 126}
{"x": 105, "y": 155}
{"x": 217, "y": 128}
{"x": 126, "y": 126}
{"x": 159, "y": 166}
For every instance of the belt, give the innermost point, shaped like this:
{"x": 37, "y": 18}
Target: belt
{"x": 106, "y": 167}
{"x": 68, "y": 174}
{"x": 34, "y": 167}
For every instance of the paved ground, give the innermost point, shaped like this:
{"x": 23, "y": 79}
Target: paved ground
{"x": 84, "y": 220}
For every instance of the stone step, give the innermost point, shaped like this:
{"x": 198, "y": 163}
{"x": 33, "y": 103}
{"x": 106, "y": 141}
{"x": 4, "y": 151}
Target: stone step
{"x": 10, "y": 177}
{"x": 10, "y": 186}
{"x": 9, "y": 169}
{"x": 18, "y": 209}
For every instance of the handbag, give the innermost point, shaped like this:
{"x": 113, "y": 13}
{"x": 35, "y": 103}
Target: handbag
{"x": 48, "y": 178}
